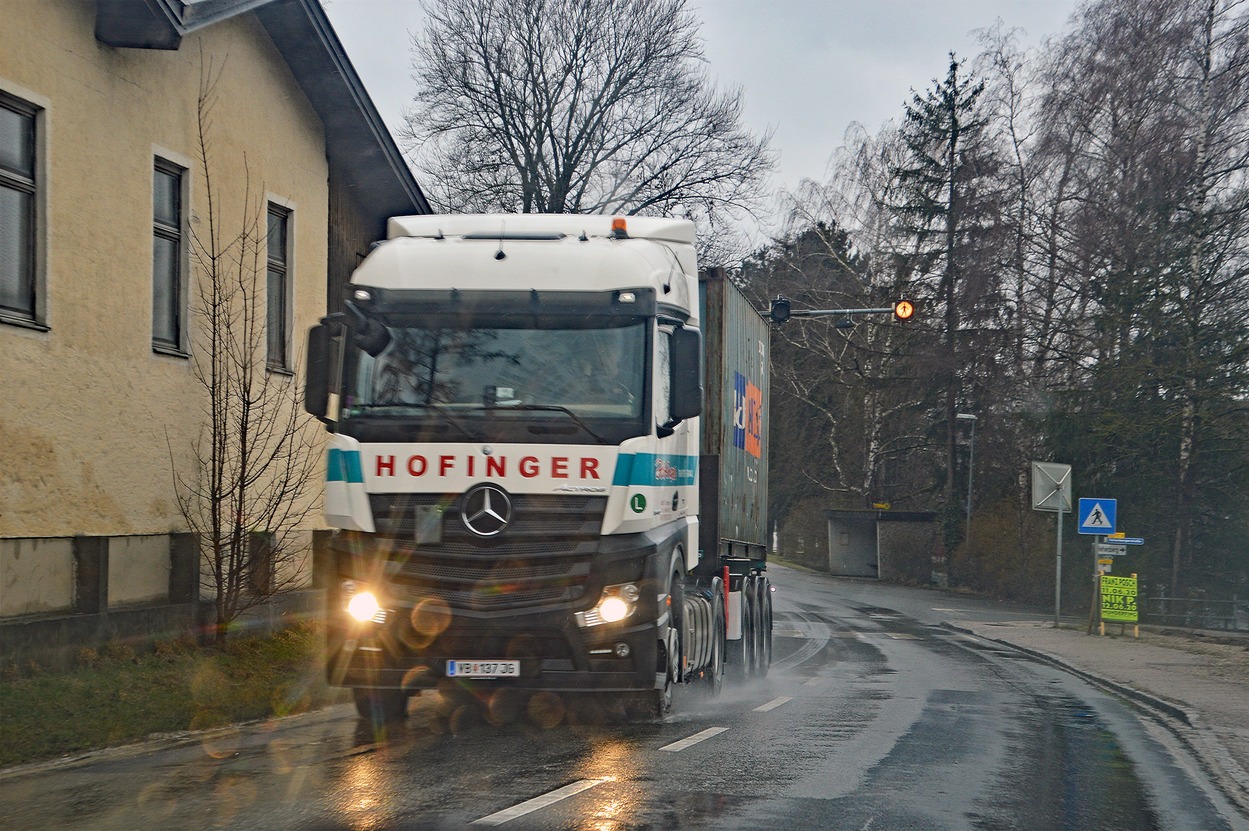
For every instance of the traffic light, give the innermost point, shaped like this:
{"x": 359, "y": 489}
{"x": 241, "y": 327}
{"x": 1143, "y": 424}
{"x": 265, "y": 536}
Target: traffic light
{"x": 904, "y": 309}
{"x": 781, "y": 310}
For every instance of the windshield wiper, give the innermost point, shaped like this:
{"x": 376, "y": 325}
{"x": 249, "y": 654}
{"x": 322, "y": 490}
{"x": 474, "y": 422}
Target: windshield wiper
{"x": 446, "y": 414}
{"x": 556, "y": 408}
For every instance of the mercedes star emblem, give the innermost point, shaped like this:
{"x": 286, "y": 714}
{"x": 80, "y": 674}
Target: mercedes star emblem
{"x": 486, "y": 510}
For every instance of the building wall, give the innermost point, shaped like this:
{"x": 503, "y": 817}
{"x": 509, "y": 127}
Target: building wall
{"x": 906, "y": 549}
{"x": 852, "y": 550}
{"x": 138, "y": 569}
{"x": 95, "y": 422}
{"x": 36, "y": 576}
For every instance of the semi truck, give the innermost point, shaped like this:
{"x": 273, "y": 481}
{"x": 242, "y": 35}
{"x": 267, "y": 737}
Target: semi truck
{"x": 546, "y": 468}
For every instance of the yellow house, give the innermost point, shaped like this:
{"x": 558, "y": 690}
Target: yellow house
{"x": 138, "y": 140}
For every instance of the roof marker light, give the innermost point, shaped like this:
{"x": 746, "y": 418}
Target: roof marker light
{"x": 619, "y": 228}
{"x": 627, "y": 297}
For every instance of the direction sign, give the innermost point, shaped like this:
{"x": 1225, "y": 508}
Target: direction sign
{"x": 1097, "y": 516}
{"x": 1129, "y": 541}
{"x": 1104, "y": 550}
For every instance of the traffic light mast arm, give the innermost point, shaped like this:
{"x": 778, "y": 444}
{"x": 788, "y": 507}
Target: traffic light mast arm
{"x": 782, "y": 310}
{"x": 825, "y": 312}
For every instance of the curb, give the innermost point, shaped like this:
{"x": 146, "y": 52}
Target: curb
{"x": 1209, "y": 753}
{"x": 1188, "y": 717}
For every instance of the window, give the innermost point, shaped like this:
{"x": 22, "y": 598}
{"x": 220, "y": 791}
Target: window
{"x": 167, "y": 256}
{"x": 17, "y": 210}
{"x": 278, "y": 293}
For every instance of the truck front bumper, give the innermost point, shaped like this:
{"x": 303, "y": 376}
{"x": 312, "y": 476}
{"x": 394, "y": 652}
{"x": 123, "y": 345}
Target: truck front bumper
{"x": 553, "y": 654}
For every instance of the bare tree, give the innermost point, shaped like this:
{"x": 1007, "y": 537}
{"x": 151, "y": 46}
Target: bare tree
{"x": 855, "y": 383}
{"x": 578, "y": 106}
{"x": 247, "y": 495}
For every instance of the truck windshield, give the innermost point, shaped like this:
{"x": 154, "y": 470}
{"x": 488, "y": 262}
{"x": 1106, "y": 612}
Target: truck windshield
{"x": 592, "y": 371}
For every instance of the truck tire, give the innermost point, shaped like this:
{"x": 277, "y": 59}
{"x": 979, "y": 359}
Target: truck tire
{"x": 765, "y": 627}
{"x": 380, "y": 706}
{"x": 750, "y": 634}
{"x": 713, "y": 674}
{"x": 656, "y": 704}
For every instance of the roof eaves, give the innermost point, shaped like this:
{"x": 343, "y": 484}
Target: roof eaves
{"x": 357, "y": 140}
{"x": 161, "y": 24}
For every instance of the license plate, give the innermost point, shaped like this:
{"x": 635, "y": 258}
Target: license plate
{"x": 483, "y": 669}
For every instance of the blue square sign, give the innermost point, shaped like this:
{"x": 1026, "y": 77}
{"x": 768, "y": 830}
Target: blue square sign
{"x": 1097, "y": 516}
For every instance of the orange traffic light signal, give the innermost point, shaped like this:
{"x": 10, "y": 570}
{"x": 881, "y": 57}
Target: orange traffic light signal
{"x": 903, "y": 309}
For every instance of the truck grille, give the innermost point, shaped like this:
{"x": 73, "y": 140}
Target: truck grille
{"x": 541, "y": 559}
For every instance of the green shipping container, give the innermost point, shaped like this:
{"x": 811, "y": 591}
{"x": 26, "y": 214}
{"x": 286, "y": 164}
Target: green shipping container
{"x": 735, "y": 422}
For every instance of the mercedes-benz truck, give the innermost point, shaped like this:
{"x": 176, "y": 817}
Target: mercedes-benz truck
{"x": 547, "y": 464}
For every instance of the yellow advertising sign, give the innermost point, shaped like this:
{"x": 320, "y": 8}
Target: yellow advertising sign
{"x": 1118, "y": 599}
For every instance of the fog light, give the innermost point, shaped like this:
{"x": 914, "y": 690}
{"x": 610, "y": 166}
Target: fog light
{"x": 622, "y": 650}
{"x": 613, "y": 609}
{"x": 363, "y": 606}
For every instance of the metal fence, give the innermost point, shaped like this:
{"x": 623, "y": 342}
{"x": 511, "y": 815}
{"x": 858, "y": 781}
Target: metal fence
{"x": 1227, "y": 615}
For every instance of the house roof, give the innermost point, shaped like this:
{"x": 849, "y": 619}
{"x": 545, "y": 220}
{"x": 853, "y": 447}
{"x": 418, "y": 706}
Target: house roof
{"x": 358, "y": 145}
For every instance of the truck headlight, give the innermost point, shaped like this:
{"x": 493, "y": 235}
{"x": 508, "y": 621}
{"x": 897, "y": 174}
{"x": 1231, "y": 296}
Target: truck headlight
{"x": 614, "y": 605}
{"x": 613, "y": 609}
{"x": 363, "y": 605}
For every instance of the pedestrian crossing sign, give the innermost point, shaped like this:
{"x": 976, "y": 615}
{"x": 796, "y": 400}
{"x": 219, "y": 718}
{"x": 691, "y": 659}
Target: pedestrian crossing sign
{"x": 1097, "y": 516}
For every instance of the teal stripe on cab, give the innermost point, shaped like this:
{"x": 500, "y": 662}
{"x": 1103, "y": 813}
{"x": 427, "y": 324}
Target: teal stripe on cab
{"x": 652, "y": 469}
{"x": 344, "y": 466}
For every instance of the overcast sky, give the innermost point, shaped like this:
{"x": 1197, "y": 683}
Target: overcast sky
{"x": 808, "y": 69}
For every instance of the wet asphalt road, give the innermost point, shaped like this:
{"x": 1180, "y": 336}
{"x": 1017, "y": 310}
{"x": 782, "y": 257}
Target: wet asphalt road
{"x": 874, "y": 718}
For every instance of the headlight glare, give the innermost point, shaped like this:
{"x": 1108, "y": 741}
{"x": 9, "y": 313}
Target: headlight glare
{"x": 615, "y": 604}
{"x": 363, "y": 606}
{"x": 612, "y": 609}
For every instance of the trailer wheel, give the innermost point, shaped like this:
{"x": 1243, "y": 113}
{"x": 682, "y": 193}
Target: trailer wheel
{"x": 765, "y": 626}
{"x": 750, "y": 631}
{"x": 381, "y": 707}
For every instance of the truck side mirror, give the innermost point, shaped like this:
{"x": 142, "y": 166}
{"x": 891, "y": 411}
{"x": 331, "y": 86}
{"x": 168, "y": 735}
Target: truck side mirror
{"x": 687, "y": 374}
{"x": 317, "y": 372}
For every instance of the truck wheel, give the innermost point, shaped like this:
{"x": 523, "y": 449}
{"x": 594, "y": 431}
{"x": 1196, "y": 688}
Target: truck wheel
{"x": 750, "y": 631}
{"x": 765, "y": 627}
{"x": 381, "y": 706}
{"x": 656, "y": 704}
{"x": 713, "y": 673}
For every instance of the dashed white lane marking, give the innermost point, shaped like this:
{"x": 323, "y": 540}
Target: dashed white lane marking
{"x": 773, "y": 704}
{"x": 677, "y": 747}
{"x": 538, "y": 802}
{"x": 814, "y": 682}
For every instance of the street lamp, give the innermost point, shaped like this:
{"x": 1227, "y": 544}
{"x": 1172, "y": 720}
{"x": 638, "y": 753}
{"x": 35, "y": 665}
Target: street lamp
{"x": 971, "y": 463}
